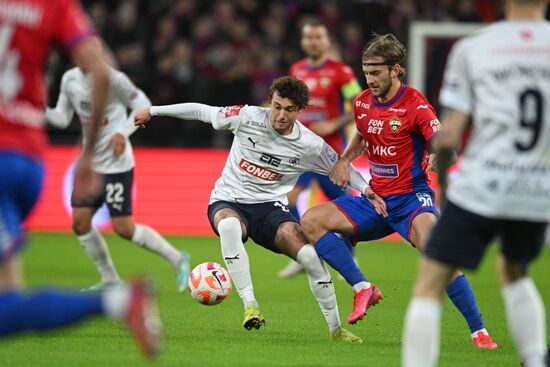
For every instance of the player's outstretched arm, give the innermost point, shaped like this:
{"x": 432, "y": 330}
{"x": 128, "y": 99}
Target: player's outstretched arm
{"x": 339, "y": 175}
{"x": 183, "y": 111}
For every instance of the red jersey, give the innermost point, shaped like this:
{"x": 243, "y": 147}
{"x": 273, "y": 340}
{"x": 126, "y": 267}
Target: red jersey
{"x": 327, "y": 94}
{"x": 27, "y": 31}
{"x": 396, "y": 137}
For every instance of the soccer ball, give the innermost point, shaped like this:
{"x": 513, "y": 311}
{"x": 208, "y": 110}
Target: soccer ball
{"x": 209, "y": 283}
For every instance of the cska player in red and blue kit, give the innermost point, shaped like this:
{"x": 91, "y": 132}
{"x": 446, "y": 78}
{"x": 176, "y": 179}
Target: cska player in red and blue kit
{"x": 395, "y": 129}
{"x": 28, "y": 29}
{"x": 332, "y": 87}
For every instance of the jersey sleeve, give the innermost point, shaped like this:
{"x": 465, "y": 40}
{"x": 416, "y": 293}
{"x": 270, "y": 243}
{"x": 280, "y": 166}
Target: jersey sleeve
{"x": 350, "y": 86}
{"x": 325, "y": 160}
{"x": 72, "y": 24}
{"x": 62, "y": 115}
{"x": 131, "y": 96}
{"x": 426, "y": 122}
{"x": 230, "y": 118}
{"x": 456, "y": 91}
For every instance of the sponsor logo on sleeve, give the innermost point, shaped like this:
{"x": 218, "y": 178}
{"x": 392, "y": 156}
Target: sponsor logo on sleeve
{"x": 330, "y": 154}
{"x": 259, "y": 171}
{"x": 435, "y": 125}
{"x": 384, "y": 170}
{"x": 232, "y": 111}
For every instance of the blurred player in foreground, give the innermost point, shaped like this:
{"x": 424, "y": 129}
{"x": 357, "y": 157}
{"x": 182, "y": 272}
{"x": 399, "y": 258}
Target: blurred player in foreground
{"x": 395, "y": 126}
{"x": 114, "y": 159}
{"x": 269, "y": 152}
{"x": 498, "y": 77}
{"x": 332, "y": 86}
{"x": 27, "y": 31}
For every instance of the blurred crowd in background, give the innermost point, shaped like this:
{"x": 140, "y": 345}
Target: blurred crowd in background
{"x": 228, "y": 52}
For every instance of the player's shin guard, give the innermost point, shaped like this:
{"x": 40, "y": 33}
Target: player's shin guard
{"x": 421, "y": 339}
{"x": 236, "y": 258}
{"x": 320, "y": 284}
{"x": 526, "y": 320}
{"x": 95, "y": 246}
{"x": 335, "y": 252}
{"x": 462, "y": 296}
{"x": 44, "y": 310}
{"x": 150, "y": 239}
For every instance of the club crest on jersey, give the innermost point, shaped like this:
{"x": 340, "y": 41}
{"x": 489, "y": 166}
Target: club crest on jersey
{"x": 395, "y": 124}
{"x": 325, "y": 82}
{"x": 294, "y": 161}
{"x": 232, "y": 110}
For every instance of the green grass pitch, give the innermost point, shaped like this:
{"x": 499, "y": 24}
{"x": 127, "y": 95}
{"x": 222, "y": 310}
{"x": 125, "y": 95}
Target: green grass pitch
{"x": 295, "y": 334}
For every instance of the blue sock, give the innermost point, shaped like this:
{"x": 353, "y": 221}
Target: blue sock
{"x": 334, "y": 251}
{"x": 44, "y": 310}
{"x": 348, "y": 244}
{"x": 460, "y": 292}
{"x": 294, "y": 212}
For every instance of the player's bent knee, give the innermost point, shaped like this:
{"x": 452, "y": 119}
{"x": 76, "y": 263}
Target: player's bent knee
{"x": 311, "y": 223}
{"x": 81, "y": 227}
{"x": 125, "y": 231}
{"x": 230, "y": 227}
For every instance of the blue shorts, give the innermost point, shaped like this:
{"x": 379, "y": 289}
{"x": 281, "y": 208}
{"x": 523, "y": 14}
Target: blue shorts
{"x": 21, "y": 180}
{"x": 332, "y": 191}
{"x": 402, "y": 209}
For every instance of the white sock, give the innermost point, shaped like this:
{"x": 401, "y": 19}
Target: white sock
{"x": 236, "y": 258}
{"x": 321, "y": 285}
{"x": 95, "y": 246}
{"x": 526, "y": 320}
{"x": 116, "y": 301}
{"x": 150, "y": 239}
{"x": 421, "y": 340}
{"x": 361, "y": 285}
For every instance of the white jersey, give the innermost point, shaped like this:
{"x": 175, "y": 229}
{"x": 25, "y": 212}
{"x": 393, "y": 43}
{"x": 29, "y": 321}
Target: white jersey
{"x": 500, "y": 76}
{"x": 123, "y": 95}
{"x": 263, "y": 165}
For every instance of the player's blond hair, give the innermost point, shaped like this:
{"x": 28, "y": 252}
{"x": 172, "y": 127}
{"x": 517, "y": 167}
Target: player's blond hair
{"x": 388, "y": 47}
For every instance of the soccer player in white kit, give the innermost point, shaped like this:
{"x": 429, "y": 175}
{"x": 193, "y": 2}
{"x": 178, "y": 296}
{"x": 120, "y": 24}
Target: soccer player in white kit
{"x": 500, "y": 76}
{"x": 269, "y": 152}
{"x": 114, "y": 159}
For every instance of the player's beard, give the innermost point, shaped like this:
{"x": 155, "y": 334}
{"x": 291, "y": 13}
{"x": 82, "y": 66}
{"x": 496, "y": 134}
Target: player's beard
{"x": 383, "y": 90}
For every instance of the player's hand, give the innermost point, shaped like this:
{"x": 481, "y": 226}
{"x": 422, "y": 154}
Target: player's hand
{"x": 323, "y": 128}
{"x": 87, "y": 183}
{"x": 339, "y": 174}
{"x": 431, "y": 161}
{"x": 378, "y": 203}
{"x": 118, "y": 144}
{"x": 142, "y": 117}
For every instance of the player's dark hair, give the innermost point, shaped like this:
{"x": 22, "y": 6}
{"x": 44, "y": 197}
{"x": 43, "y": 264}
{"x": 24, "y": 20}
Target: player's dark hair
{"x": 313, "y": 22}
{"x": 291, "y": 88}
{"x": 388, "y": 47}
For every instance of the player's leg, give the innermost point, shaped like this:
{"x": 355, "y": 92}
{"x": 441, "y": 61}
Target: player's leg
{"x": 230, "y": 224}
{"x": 95, "y": 246}
{"x": 291, "y": 240}
{"x": 459, "y": 289}
{"x": 333, "y": 192}
{"x": 294, "y": 268}
{"x": 348, "y": 216}
{"x": 151, "y": 240}
{"x": 459, "y": 238}
{"x": 20, "y": 185}
{"x": 118, "y": 189}
{"x": 525, "y": 312}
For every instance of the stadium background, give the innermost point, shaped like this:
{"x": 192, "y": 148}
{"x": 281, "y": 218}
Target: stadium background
{"x": 218, "y": 53}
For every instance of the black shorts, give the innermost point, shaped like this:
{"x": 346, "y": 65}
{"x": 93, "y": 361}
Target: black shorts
{"x": 117, "y": 194}
{"x": 261, "y": 220}
{"x": 460, "y": 238}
